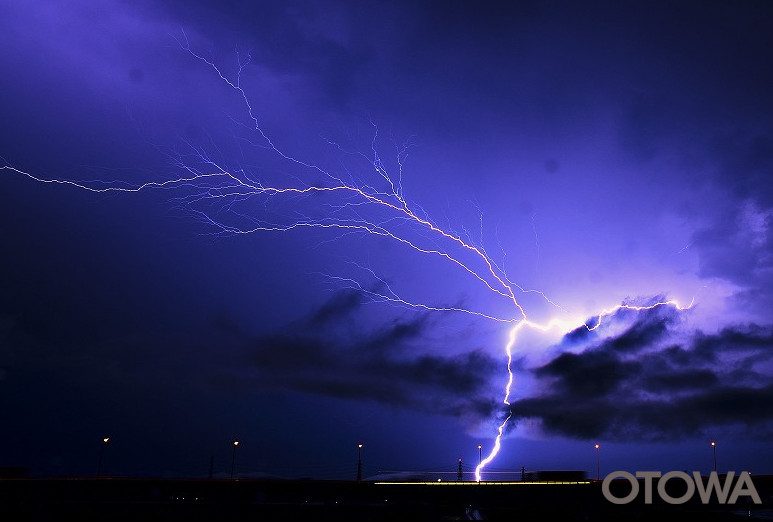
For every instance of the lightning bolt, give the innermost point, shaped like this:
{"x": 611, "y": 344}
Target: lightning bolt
{"x": 217, "y": 195}
{"x": 562, "y": 326}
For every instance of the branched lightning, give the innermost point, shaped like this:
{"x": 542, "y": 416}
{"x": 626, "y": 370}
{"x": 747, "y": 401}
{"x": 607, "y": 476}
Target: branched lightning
{"x": 380, "y": 210}
{"x": 563, "y": 326}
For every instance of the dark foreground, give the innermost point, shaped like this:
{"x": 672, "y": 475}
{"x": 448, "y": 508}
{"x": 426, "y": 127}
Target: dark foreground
{"x": 140, "y": 500}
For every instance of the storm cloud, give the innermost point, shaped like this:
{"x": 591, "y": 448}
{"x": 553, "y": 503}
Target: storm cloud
{"x": 392, "y": 364}
{"x": 661, "y": 386}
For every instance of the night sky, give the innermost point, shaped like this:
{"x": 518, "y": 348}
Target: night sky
{"x": 442, "y": 154}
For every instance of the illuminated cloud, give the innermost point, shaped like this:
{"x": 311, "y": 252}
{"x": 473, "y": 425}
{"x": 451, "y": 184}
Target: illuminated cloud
{"x": 651, "y": 382}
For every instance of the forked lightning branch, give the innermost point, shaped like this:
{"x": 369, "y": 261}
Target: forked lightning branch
{"x": 209, "y": 189}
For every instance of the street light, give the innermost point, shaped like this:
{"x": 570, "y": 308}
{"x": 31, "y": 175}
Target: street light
{"x": 598, "y": 465}
{"x": 359, "y": 462}
{"x": 480, "y": 460}
{"x": 714, "y": 447}
{"x": 233, "y": 458}
{"x": 101, "y": 453}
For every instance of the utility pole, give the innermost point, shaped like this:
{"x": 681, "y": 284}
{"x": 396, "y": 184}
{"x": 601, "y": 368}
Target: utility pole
{"x": 359, "y": 462}
{"x": 101, "y": 455}
{"x": 459, "y": 471}
{"x": 233, "y": 458}
{"x": 480, "y": 461}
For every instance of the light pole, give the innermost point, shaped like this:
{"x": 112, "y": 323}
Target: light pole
{"x": 101, "y": 453}
{"x": 598, "y": 465}
{"x": 359, "y": 462}
{"x": 480, "y": 460}
{"x": 714, "y": 447}
{"x": 233, "y": 458}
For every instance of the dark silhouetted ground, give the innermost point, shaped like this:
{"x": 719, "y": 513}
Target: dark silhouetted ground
{"x": 146, "y": 500}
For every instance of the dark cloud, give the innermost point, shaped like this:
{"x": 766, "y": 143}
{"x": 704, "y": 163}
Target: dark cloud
{"x": 752, "y": 338}
{"x": 632, "y": 386}
{"x": 393, "y": 364}
{"x": 591, "y": 374}
{"x": 675, "y": 381}
{"x": 338, "y": 307}
{"x": 648, "y": 328}
{"x": 736, "y": 242}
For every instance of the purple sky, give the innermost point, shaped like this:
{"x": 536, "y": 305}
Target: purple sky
{"x": 595, "y": 153}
